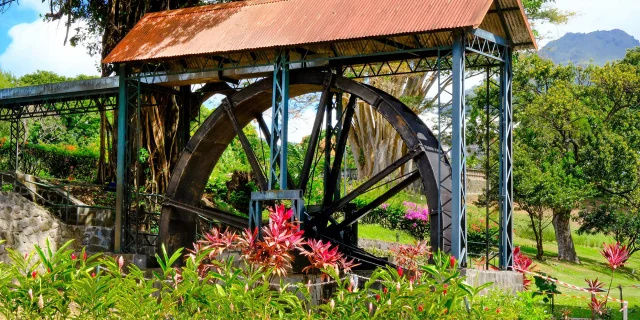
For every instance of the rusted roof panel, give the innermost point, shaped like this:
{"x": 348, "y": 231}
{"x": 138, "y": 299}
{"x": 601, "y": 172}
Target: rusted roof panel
{"x": 262, "y": 24}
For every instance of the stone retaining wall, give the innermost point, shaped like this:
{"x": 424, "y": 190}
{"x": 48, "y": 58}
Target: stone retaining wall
{"x": 24, "y": 224}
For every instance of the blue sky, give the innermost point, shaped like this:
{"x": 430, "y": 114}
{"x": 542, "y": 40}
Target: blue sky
{"x": 17, "y": 15}
{"x": 28, "y": 44}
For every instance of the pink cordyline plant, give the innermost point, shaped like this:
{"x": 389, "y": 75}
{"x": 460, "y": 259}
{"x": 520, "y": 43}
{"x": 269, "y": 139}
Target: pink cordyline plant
{"x": 598, "y": 306}
{"x": 280, "y": 238}
{"x": 594, "y": 285}
{"x": 522, "y": 264}
{"x": 322, "y": 256}
{"x": 616, "y": 256}
{"x": 410, "y": 256}
{"x": 274, "y": 251}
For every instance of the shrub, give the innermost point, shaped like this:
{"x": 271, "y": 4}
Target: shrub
{"x": 61, "y": 284}
{"x": 477, "y": 237}
{"x": 65, "y": 162}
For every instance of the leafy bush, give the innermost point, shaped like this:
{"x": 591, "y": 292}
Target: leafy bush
{"x": 477, "y": 237}
{"x": 409, "y": 217}
{"x": 66, "y": 162}
{"x": 60, "y": 284}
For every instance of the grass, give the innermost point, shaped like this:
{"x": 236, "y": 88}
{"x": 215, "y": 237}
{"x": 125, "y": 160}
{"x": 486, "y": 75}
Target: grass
{"x": 588, "y": 247}
{"x": 377, "y": 232}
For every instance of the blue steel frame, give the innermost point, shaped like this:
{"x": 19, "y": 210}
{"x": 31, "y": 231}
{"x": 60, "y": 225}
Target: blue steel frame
{"x": 471, "y": 49}
{"x": 280, "y": 122}
{"x": 506, "y": 164}
{"x": 459, "y": 153}
{"x": 484, "y": 49}
{"x": 490, "y": 48}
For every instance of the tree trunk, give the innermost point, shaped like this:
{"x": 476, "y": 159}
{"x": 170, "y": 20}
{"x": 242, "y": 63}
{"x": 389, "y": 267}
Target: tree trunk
{"x": 562, "y": 227}
{"x": 536, "y": 225}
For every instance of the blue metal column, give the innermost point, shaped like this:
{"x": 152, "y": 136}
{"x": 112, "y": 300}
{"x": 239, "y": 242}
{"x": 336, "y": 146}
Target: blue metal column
{"x": 16, "y": 137}
{"x": 458, "y": 153}
{"x": 121, "y": 205}
{"x": 280, "y": 122}
{"x": 506, "y": 163}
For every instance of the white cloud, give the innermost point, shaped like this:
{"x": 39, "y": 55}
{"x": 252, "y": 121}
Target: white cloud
{"x": 594, "y": 15}
{"x": 40, "y": 46}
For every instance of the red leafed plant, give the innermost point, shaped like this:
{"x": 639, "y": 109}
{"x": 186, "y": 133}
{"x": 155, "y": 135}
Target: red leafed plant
{"x": 597, "y": 306}
{"x": 280, "y": 238}
{"x": 522, "y": 264}
{"x": 594, "y": 285}
{"x": 218, "y": 241}
{"x": 411, "y": 257}
{"x": 322, "y": 256}
{"x": 615, "y": 254}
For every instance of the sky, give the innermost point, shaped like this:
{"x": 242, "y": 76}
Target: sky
{"x": 28, "y": 44}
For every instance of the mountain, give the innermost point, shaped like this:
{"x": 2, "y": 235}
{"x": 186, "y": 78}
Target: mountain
{"x": 581, "y": 48}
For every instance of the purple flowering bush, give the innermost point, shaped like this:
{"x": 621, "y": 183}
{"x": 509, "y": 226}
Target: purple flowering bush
{"x": 416, "y": 220}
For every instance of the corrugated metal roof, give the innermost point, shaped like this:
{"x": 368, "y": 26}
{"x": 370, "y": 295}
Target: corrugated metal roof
{"x": 262, "y": 24}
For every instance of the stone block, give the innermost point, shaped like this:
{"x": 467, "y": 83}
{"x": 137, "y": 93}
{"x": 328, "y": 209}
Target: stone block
{"x": 509, "y": 281}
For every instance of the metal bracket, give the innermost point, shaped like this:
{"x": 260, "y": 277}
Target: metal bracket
{"x": 255, "y": 207}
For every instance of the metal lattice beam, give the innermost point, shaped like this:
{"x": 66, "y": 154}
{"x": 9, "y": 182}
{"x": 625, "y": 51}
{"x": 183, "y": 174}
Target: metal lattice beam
{"x": 459, "y": 154}
{"x": 280, "y": 123}
{"x": 506, "y": 165}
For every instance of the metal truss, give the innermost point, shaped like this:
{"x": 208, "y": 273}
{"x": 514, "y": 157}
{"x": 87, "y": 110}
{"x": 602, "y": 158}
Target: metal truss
{"x": 59, "y": 106}
{"x": 459, "y": 154}
{"x": 280, "y": 123}
{"x": 506, "y": 164}
{"x": 368, "y": 58}
{"x": 16, "y": 141}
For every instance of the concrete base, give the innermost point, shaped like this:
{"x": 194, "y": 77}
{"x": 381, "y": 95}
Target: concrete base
{"x": 508, "y": 281}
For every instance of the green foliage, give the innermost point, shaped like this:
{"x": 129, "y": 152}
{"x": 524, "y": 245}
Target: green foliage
{"x": 59, "y": 284}
{"x": 65, "y": 162}
{"x": 545, "y": 288}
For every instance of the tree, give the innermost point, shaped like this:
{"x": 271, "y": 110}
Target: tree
{"x": 580, "y": 125}
{"x": 614, "y": 163}
{"x": 105, "y": 24}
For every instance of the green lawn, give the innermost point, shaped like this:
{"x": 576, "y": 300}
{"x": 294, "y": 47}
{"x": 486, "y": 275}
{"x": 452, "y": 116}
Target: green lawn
{"x": 377, "y": 232}
{"x": 592, "y": 265}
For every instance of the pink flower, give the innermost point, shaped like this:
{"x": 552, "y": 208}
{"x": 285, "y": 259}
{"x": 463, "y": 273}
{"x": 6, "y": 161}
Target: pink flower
{"x": 452, "y": 262}
{"x": 34, "y": 274}
{"x": 84, "y": 256}
{"x": 400, "y": 271}
{"x": 384, "y": 206}
{"x": 615, "y": 254}
{"x": 93, "y": 274}
{"x": 73, "y": 256}
{"x": 420, "y": 308}
{"x": 377, "y": 297}
{"x": 120, "y": 262}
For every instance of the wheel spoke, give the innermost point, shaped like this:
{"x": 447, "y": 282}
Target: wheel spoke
{"x": 225, "y": 217}
{"x": 378, "y": 201}
{"x": 267, "y": 135}
{"x": 315, "y": 134}
{"x": 253, "y": 161}
{"x": 341, "y": 147}
{"x": 370, "y": 183}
